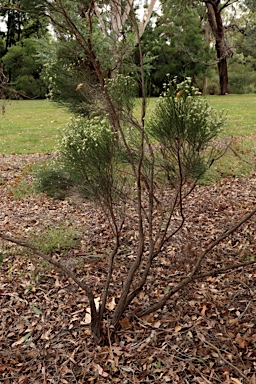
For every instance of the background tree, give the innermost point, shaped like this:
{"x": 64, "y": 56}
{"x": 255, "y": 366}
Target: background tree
{"x": 19, "y": 59}
{"x": 177, "y": 46}
{"x": 242, "y": 64}
{"x": 23, "y": 63}
{"x": 215, "y": 11}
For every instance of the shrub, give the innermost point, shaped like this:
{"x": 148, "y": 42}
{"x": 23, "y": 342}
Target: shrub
{"x": 184, "y": 125}
{"x": 53, "y": 181}
{"x": 87, "y": 161}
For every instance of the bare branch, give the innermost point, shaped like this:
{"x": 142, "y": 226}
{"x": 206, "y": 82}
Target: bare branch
{"x": 106, "y": 289}
{"x": 103, "y": 27}
{"x": 127, "y": 11}
{"x": 146, "y": 17}
{"x": 60, "y": 266}
{"x": 193, "y": 276}
{"x": 216, "y": 272}
{"x": 240, "y": 373}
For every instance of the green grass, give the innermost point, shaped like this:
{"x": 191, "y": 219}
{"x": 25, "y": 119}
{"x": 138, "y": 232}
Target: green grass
{"x": 55, "y": 239}
{"x": 241, "y": 113}
{"x": 33, "y": 127}
{"x": 240, "y": 127}
{"x": 30, "y": 126}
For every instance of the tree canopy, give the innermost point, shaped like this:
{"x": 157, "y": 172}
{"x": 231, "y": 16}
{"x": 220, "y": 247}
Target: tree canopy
{"x": 181, "y": 38}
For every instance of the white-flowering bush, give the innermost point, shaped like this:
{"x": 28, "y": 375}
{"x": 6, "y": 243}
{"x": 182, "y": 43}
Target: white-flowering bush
{"x": 184, "y": 125}
{"x": 87, "y": 153}
{"x": 85, "y": 161}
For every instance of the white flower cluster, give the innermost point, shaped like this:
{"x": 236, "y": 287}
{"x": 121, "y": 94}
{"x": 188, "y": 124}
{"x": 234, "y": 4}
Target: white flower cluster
{"x": 188, "y": 88}
{"x": 181, "y": 112}
{"x": 83, "y": 135}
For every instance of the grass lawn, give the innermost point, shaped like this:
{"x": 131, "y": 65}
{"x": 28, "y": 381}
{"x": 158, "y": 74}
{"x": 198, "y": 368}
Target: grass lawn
{"x": 33, "y": 127}
{"x": 30, "y": 126}
{"x": 241, "y": 113}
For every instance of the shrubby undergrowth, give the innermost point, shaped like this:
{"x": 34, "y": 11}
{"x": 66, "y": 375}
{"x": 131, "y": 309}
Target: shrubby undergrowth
{"x": 91, "y": 159}
{"x": 123, "y": 165}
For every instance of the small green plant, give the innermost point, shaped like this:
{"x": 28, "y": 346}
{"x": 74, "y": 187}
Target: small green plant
{"x": 54, "y": 182}
{"x": 53, "y": 240}
{"x": 56, "y": 239}
{"x": 20, "y": 189}
{"x": 87, "y": 162}
{"x": 22, "y": 186}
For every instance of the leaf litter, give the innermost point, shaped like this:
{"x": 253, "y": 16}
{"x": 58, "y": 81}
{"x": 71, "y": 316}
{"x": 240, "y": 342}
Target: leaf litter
{"x": 205, "y": 334}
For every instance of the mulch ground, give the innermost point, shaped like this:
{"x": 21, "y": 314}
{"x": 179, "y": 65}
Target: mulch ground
{"x": 205, "y": 334}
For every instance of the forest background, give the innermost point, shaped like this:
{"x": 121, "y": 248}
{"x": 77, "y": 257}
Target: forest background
{"x": 178, "y": 40}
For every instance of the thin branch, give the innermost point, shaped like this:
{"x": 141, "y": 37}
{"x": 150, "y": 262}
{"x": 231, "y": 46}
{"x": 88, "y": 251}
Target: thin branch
{"x": 109, "y": 275}
{"x": 216, "y": 272}
{"x": 222, "y": 357}
{"x": 122, "y": 303}
{"x": 60, "y": 266}
{"x": 126, "y": 12}
{"x": 146, "y": 17}
{"x": 193, "y": 276}
{"x": 98, "y": 14}
{"x": 240, "y": 157}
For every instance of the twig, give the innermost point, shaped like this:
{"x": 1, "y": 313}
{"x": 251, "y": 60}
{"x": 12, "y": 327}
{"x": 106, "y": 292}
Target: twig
{"x": 246, "y": 309}
{"x": 60, "y": 266}
{"x": 192, "y": 277}
{"x": 221, "y": 356}
{"x": 235, "y": 347}
{"x": 204, "y": 378}
{"x": 240, "y": 157}
{"x": 223, "y": 270}
{"x": 110, "y": 344}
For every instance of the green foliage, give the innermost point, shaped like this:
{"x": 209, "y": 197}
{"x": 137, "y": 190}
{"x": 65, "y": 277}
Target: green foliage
{"x": 242, "y": 77}
{"x": 87, "y": 152}
{"x": 86, "y": 162}
{"x": 21, "y": 61}
{"x": 184, "y": 125}
{"x": 123, "y": 91}
{"x": 65, "y": 68}
{"x": 18, "y": 49}
{"x": 177, "y": 46}
{"x": 91, "y": 160}
{"x": 53, "y": 181}
{"x": 55, "y": 239}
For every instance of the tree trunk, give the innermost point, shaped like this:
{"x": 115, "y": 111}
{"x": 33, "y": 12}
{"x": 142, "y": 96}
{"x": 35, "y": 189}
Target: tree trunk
{"x": 223, "y": 51}
{"x": 223, "y": 76}
{"x": 97, "y": 329}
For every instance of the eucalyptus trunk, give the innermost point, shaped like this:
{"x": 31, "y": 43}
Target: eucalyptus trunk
{"x": 223, "y": 50}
